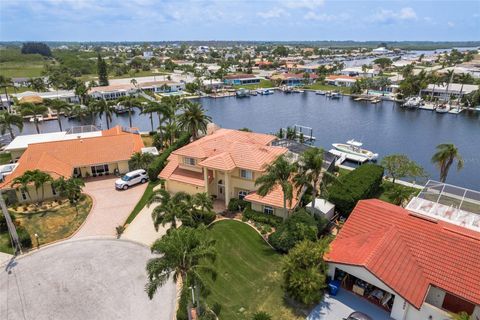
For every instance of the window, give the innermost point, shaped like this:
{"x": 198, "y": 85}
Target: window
{"x": 189, "y": 161}
{"x": 267, "y": 210}
{"x": 24, "y": 194}
{"x": 242, "y": 194}
{"x": 100, "y": 169}
{"x": 54, "y": 192}
{"x": 246, "y": 174}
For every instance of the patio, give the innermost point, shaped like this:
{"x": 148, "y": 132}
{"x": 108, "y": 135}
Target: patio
{"x": 345, "y": 302}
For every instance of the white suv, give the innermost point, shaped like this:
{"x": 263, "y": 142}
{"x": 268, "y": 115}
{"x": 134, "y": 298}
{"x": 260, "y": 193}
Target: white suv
{"x": 131, "y": 178}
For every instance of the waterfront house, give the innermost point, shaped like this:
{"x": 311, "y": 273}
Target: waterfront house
{"x": 294, "y": 79}
{"x": 340, "y": 80}
{"x": 112, "y": 92}
{"x": 416, "y": 263}
{"x": 241, "y": 79}
{"x": 225, "y": 164}
{"x": 84, "y": 156}
{"x": 447, "y": 91}
{"x": 162, "y": 86}
{"x": 359, "y": 72}
{"x": 68, "y": 96}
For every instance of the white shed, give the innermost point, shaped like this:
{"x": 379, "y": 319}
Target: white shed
{"x": 322, "y": 208}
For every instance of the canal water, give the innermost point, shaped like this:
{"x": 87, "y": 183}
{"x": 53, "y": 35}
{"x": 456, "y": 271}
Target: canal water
{"x": 384, "y": 128}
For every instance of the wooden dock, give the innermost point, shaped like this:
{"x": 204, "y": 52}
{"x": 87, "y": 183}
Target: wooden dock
{"x": 343, "y": 156}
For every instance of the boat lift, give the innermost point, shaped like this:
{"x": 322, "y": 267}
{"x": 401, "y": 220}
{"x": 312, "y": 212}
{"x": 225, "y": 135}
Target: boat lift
{"x": 300, "y": 130}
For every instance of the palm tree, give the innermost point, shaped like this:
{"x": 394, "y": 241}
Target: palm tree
{"x": 79, "y": 111}
{"x": 103, "y": 107}
{"x": 70, "y": 188}
{"x": 193, "y": 119}
{"x": 58, "y": 106}
{"x": 310, "y": 171}
{"x": 435, "y": 80}
{"x": 81, "y": 91}
{"x": 129, "y": 103}
{"x": 184, "y": 254}
{"x": 151, "y": 108}
{"x": 5, "y": 83}
{"x": 8, "y": 120}
{"x": 447, "y": 78}
{"x": 37, "y": 84}
{"x": 444, "y": 157}
{"x": 278, "y": 173}
{"x": 170, "y": 208}
{"x": 464, "y": 78}
{"x": 34, "y": 110}
{"x": 22, "y": 182}
{"x": 140, "y": 160}
{"x": 39, "y": 178}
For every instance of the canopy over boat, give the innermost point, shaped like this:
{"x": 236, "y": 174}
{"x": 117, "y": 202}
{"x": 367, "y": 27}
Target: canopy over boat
{"x": 352, "y": 142}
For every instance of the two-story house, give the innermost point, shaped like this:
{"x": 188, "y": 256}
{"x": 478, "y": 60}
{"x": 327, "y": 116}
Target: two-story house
{"x": 225, "y": 164}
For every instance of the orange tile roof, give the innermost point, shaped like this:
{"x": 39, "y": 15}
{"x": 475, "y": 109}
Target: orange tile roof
{"x": 60, "y": 157}
{"x": 173, "y": 172}
{"x": 225, "y": 148}
{"x": 409, "y": 253}
{"x": 274, "y": 198}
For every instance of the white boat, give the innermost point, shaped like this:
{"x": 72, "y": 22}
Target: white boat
{"x": 298, "y": 91}
{"x": 266, "y": 92}
{"x": 39, "y": 119}
{"x": 320, "y": 92}
{"x": 253, "y": 92}
{"x": 242, "y": 93}
{"x": 354, "y": 147}
{"x": 443, "y": 108}
{"x": 413, "y": 102}
{"x": 335, "y": 95}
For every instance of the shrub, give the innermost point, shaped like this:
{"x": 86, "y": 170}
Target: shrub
{"x": 3, "y": 223}
{"x": 159, "y": 163}
{"x": 300, "y": 226}
{"x": 361, "y": 183}
{"x": 24, "y": 237}
{"x": 203, "y": 217}
{"x": 235, "y": 204}
{"x": 256, "y": 216}
{"x": 261, "y": 315}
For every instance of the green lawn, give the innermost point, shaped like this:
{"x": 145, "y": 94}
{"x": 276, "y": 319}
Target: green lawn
{"x": 5, "y": 244}
{"x": 14, "y": 69}
{"x": 263, "y": 84}
{"x": 5, "y": 158}
{"x": 249, "y": 274}
{"x": 143, "y": 200}
{"x": 319, "y": 86}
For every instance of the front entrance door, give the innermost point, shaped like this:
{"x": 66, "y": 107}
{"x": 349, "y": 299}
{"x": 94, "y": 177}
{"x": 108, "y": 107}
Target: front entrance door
{"x": 221, "y": 190}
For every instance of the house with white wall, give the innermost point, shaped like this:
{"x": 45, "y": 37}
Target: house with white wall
{"x": 414, "y": 265}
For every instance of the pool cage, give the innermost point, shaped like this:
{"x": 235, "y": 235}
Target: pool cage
{"x": 449, "y": 203}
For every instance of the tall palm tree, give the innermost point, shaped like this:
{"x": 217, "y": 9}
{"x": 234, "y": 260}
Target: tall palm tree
{"x": 140, "y": 160}
{"x": 79, "y": 111}
{"x": 37, "y": 84}
{"x": 58, "y": 106}
{"x": 8, "y": 120}
{"x": 151, "y": 108}
{"x": 184, "y": 254}
{"x": 310, "y": 172}
{"x": 435, "y": 80}
{"x": 278, "y": 173}
{"x": 170, "y": 208}
{"x": 448, "y": 78}
{"x": 464, "y": 78}
{"x": 34, "y": 110}
{"x": 39, "y": 178}
{"x": 22, "y": 182}
{"x": 103, "y": 107}
{"x": 81, "y": 91}
{"x": 129, "y": 103}
{"x": 444, "y": 157}
{"x": 193, "y": 119}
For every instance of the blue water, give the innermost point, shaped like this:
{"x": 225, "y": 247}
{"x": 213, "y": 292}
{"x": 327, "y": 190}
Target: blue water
{"x": 384, "y": 128}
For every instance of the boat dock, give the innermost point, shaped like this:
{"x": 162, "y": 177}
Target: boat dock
{"x": 343, "y": 156}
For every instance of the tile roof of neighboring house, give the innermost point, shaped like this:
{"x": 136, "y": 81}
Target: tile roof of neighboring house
{"x": 60, "y": 157}
{"x": 408, "y": 253}
{"x": 173, "y": 172}
{"x": 340, "y": 77}
{"x": 239, "y": 76}
{"x": 112, "y": 87}
{"x": 274, "y": 198}
{"x": 286, "y": 76}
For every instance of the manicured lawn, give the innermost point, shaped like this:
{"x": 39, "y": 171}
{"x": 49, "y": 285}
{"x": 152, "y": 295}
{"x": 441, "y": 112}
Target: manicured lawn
{"x": 319, "y": 86}
{"x": 147, "y": 141}
{"x": 54, "y": 224}
{"x": 248, "y": 274}
{"x": 28, "y": 69}
{"x": 5, "y": 244}
{"x": 5, "y": 158}
{"x": 263, "y": 84}
{"x": 143, "y": 200}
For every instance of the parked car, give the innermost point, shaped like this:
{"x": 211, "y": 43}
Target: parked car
{"x": 358, "y": 316}
{"x": 131, "y": 178}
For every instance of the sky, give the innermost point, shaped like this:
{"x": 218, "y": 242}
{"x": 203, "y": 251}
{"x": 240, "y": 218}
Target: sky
{"x": 262, "y": 20}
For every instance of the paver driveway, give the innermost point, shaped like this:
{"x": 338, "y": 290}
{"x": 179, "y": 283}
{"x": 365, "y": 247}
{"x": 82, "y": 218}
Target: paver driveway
{"x": 93, "y": 278}
{"x": 110, "y": 207}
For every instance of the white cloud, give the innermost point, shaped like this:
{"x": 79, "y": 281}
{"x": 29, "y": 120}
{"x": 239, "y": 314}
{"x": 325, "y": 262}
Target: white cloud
{"x": 273, "y": 13}
{"x": 450, "y": 24}
{"x": 311, "y": 15}
{"x": 390, "y": 16}
{"x": 304, "y": 4}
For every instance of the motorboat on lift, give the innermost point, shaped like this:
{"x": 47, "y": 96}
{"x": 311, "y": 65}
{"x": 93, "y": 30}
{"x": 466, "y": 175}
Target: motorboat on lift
{"x": 335, "y": 95}
{"x": 443, "y": 108}
{"x": 413, "y": 102}
{"x": 354, "y": 147}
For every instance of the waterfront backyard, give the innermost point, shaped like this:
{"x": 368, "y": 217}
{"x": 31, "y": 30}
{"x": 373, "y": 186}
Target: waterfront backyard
{"x": 249, "y": 274}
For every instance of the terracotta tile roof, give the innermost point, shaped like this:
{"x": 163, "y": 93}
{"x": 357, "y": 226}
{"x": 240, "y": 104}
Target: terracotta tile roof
{"x": 60, "y": 157}
{"x": 173, "y": 172}
{"x": 336, "y": 77}
{"x": 286, "y": 76}
{"x": 274, "y": 198}
{"x": 112, "y": 87}
{"x": 409, "y": 253}
{"x": 239, "y": 76}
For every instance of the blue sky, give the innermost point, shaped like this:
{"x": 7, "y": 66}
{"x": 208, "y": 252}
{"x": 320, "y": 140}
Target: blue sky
{"x": 150, "y": 20}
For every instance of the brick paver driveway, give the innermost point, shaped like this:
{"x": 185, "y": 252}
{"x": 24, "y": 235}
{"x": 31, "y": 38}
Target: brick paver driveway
{"x": 110, "y": 207}
{"x": 83, "y": 279}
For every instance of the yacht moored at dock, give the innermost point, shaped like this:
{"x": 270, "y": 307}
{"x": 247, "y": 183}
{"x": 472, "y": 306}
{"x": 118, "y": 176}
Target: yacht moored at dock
{"x": 443, "y": 108}
{"x": 266, "y": 92}
{"x": 335, "y": 95}
{"x": 320, "y": 92}
{"x": 354, "y": 147}
{"x": 413, "y": 102}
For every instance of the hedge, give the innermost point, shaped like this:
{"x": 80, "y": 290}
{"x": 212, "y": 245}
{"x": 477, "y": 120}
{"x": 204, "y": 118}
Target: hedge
{"x": 260, "y": 217}
{"x": 298, "y": 227}
{"x": 24, "y": 237}
{"x": 361, "y": 183}
{"x": 235, "y": 204}
{"x": 159, "y": 163}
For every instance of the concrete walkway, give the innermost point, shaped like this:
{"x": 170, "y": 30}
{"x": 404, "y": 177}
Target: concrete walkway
{"x": 4, "y": 257}
{"x": 141, "y": 229}
{"x": 110, "y": 207}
